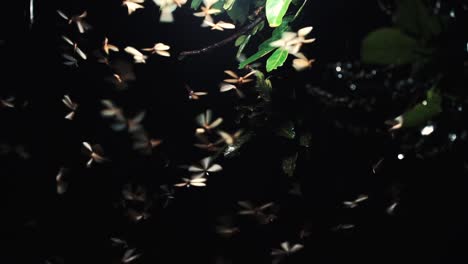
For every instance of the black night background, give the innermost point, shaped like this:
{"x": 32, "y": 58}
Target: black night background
{"x": 339, "y": 176}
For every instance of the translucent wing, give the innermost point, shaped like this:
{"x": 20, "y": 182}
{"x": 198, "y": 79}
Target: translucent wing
{"x": 62, "y": 15}
{"x": 67, "y": 101}
{"x": 132, "y": 51}
{"x": 81, "y": 53}
{"x": 285, "y": 246}
{"x": 296, "y": 248}
{"x": 300, "y": 64}
{"x": 215, "y": 168}
{"x": 216, "y": 123}
{"x": 232, "y": 74}
{"x": 68, "y": 40}
{"x": 161, "y": 46}
{"x": 208, "y": 116}
{"x": 195, "y": 168}
{"x": 87, "y": 146}
{"x": 304, "y": 31}
{"x": 206, "y": 162}
{"x": 226, "y": 25}
{"x": 226, "y": 87}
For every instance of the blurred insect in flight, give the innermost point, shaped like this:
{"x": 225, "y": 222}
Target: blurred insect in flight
{"x": 82, "y": 25}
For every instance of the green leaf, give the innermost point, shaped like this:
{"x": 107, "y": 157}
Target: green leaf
{"x": 423, "y": 112}
{"x": 242, "y": 46}
{"x": 196, "y": 4}
{"x": 276, "y": 59}
{"x": 265, "y": 47}
{"x": 228, "y": 4}
{"x": 256, "y": 56}
{"x": 263, "y": 85}
{"x": 388, "y": 46}
{"x": 240, "y": 40}
{"x": 415, "y": 18}
{"x": 239, "y": 11}
{"x": 287, "y": 130}
{"x": 275, "y": 11}
{"x": 258, "y": 28}
{"x": 218, "y": 5}
{"x": 289, "y": 164}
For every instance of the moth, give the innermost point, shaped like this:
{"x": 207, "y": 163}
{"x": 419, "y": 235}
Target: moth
{"x": 106, "y": 46}
{"x": 195, "y": 180}
{"x": 207, "y": 11}
{"x": 205, "y": 167}
{"x": 160, "y": 49}
{"x": 95, "y": 154}
{"x": 204, "y": 120}
{"x": 138, "y": 57}
{"x": 194, "y": 95}
{"x": 70, "y": 105}
{"x": 133, "y": 5}
{"x": 302, "y": 63}
{"x": 76, "y": 49}
{"x": 352, "y": 204}
{"x": 78, "y": 20}
{"x": 220, "y": 25}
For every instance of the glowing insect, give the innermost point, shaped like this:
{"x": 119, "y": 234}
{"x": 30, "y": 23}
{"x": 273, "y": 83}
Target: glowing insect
{"x": 62, "y": 185}
{"x": 396, "y": 123}
{"x": 123, "y": 72}
{"x": 226, "y": 227}
{"x": 160, "y": 49}
{"x": 130, "y": 255}
{"x": 247, "y": 208}
{"x": 205, "y": 167}
{"x": 111, "y": 110}
{"x": 194, "y": 95}
{"x": 229, "y": 138}
{"x": 220, "y": 25}
{"x": 225, "y": 87}
{"x": 302, "y": 62}
{"x": 301, "y": 39}
{"x": 138, "y": 57}
{"x": 78, "y": 20}
{"x": 195, "y": 180}
{"x": 8, "y": 102}
{"x": 207, "y": 11}
{"x": 133, "y": 5}
{"x": 292, "y": 41}
{"x": 134, "y": 193}
{"x": 70, "y": 60}
{"x": 71, "y": 105}
{"x": 238, "y": 80}
{"x": 94, "y": 153}
{"x": 352, "y": 204}
{"x": 76, "y": 49}
{"x": 132, "y": 124}
{"x": 204, "y": 121}
{"x": 286, "y": 249}
{"x": 228, "y": 84}
{"x": 107, "y": 46}
{"x": 167, "y": 7}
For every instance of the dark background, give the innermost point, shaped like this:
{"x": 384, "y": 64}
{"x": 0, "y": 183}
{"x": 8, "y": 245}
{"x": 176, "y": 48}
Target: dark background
{"x": 429, "y": 225}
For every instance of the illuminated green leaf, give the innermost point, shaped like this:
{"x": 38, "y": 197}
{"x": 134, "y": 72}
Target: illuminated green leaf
{"x": 275, "y": 11}
{"x": 388, "y": 46}
{"x": 276, "y": 59}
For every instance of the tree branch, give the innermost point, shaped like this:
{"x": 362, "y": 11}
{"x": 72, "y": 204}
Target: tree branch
{"x": 259, "y": 18}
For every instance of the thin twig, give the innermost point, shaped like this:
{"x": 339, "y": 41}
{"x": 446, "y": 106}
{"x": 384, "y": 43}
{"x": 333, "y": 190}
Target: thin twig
{"x": 259, "y": 18}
